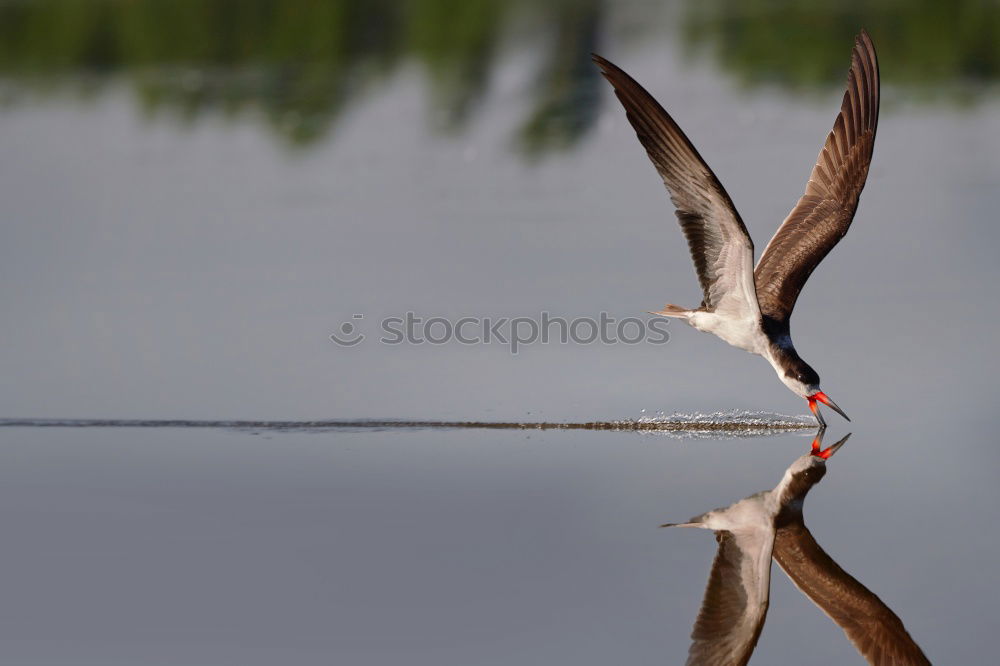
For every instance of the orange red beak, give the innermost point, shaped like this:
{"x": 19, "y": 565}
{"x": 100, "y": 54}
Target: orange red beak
{"x": 819, "y": 396}
{"x": 825, "y": 454}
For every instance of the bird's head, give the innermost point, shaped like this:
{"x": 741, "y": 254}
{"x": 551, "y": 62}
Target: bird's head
{"x": 804, "y": 382}
{"x": 800, "y": 377}
{"x": 804, "y": 473}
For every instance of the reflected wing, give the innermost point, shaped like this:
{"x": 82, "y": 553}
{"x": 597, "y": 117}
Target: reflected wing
{"x": 735, "y": 604}
{"x": 876, "y": 632}
{"x": 720, "y": 245}
{"x": 824, "y": 213}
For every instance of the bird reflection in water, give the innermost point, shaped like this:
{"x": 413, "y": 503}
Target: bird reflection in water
{"x": 770, "y": 524}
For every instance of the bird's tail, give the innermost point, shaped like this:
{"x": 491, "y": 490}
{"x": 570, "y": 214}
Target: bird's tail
{"x": 670, "y": 310}
{"x": 697, "y": 521}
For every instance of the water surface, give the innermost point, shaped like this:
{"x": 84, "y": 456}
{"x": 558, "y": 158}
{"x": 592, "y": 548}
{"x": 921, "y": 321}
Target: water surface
{"x": 186, "y": 221}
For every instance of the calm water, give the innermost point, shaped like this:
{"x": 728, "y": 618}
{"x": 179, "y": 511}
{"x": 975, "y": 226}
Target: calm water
{"x": 186, "y": 221}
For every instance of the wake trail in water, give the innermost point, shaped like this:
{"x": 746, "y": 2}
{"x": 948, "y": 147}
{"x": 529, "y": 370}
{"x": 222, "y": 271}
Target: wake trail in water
{"x": 725, "y": 424}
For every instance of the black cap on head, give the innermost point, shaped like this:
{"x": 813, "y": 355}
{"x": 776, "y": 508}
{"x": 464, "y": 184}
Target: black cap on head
{"x": 798, "y": 369}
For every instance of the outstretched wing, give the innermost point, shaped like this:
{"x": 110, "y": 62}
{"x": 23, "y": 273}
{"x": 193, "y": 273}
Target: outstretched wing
{"x": 876, "y": 632}
{"x": 824, "y": 213}
{"x": 736, "y": 597}
{"x": 720, "y": 245}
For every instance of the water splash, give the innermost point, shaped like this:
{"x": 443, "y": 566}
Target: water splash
{"x": 733, "y": 423}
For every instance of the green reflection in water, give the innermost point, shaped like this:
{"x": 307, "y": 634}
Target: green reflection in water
{"x": 297, "y": 64}
{"x": 567, "y": 91}
{"x": 930, "y": 48}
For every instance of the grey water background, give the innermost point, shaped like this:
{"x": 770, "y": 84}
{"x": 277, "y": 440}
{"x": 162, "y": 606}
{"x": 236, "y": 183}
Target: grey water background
{"x": 195, "y": 195}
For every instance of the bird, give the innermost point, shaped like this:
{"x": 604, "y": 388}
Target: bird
{"x": 770, "y": 525}
{"x": 737, "y": 594}
{"x": 750, "y": 307}
{"x": 872, "y": 627}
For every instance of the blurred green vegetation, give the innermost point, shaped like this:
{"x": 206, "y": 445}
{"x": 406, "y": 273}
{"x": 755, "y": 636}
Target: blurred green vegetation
{"x": 931, "y": 49}
{"x": 298, "y": 64}
{"x": 567, "y": 92}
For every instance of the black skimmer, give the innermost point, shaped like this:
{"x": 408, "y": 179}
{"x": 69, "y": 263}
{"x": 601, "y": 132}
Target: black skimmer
{"x": 736, "y": 598}
{"x": 871, "y": 626}
{"x": 750, "y": 307}
{"x": 770, "y": 524}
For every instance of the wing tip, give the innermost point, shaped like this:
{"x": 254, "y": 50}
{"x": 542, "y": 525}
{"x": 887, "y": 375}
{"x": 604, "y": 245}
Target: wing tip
{"x": 865, "y": 55}
{"x": 864, "y": 76}
{"x": 863, "y": 40}
{"x": 607, "y": 67}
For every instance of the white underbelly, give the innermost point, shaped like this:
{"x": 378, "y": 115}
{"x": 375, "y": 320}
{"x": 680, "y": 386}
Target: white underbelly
{"x": 743, "y": 333}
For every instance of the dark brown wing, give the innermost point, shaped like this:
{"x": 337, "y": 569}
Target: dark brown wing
{"x": 877, "y": 633}
{"x": 735, "y": 605}
{"x": 720, "y": 245}
{"x": 824, "y": 213}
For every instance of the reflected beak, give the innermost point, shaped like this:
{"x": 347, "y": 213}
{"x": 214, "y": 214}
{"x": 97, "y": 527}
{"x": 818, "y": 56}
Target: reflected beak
{"x": 825, "y": 399}
{"x": 826, "y": 453}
